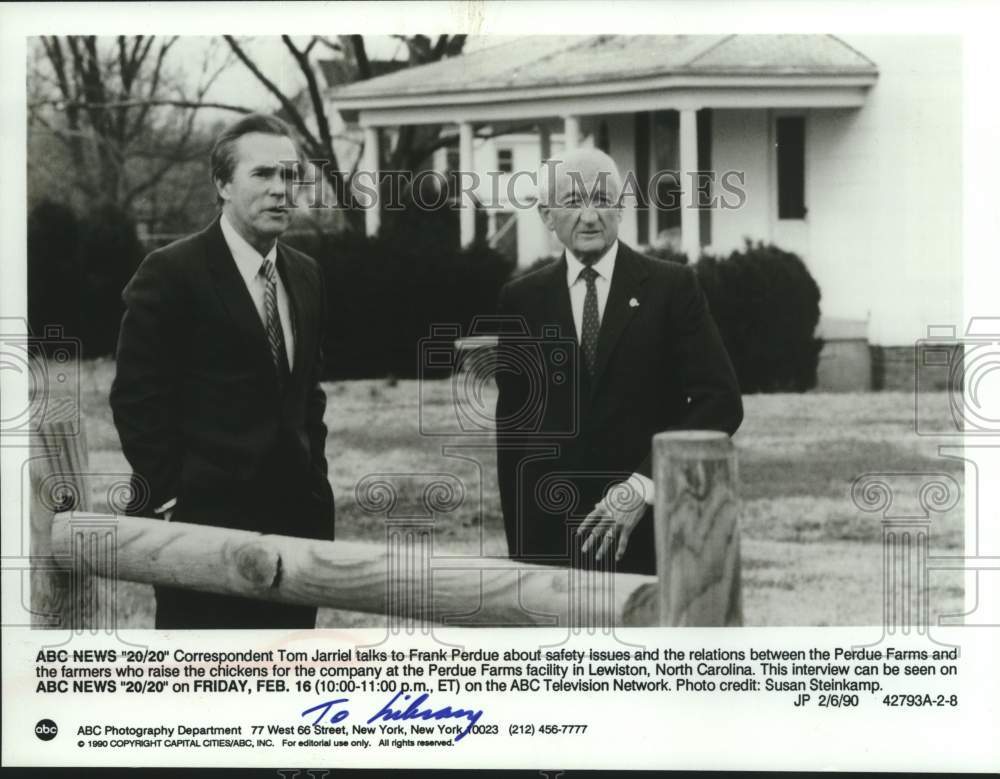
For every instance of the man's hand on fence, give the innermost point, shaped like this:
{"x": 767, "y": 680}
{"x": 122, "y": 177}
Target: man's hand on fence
{"x": 615, "y": 515}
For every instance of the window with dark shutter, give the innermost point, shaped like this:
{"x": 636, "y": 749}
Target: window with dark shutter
{"x": 790, "y": 136}
{"x": 505, "y": 160}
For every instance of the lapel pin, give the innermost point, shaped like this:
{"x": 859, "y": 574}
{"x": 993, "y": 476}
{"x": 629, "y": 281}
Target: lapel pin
{"x": 633, "y": 303}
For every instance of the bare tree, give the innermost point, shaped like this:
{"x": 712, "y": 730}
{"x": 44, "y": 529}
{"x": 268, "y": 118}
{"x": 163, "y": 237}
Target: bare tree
{"x": 125, "y": 122}
{"x": 412, "y": 145}
{"x": 122, "y": 118}
{"x": 415, "y": 142}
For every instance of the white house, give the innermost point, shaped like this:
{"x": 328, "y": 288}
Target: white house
{"x": 847, "y": 151}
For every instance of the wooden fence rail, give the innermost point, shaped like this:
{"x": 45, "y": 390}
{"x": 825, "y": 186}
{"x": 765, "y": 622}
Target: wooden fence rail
{"x": 355, "y": 576}
{"x": 697, "y": 540}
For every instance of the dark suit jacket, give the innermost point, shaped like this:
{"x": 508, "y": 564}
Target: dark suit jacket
{"x": 563, "y": 437}
{"x": 196, "y": 397}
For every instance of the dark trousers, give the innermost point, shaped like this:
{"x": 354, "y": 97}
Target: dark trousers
{"x": 541, "y": 526}
{"x": 188, "y": 610}
{"x": 278, "y": 501}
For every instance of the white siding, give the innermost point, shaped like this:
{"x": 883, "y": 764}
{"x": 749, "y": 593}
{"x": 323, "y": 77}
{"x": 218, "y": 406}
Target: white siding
{"x": 883, "y": 186}
{"x": 882, "y": 234}
{"x": 885, "y": 191}
{"x": 621, "y": 135}
{"x": 739, "y": 143}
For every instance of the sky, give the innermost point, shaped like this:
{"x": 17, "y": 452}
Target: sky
{"x": 238, "y": 85}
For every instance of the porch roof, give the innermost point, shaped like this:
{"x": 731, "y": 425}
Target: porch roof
{"x": 540, "y": 67}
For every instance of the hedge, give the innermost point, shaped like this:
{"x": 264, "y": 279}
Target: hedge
{"x": 766, "y": 304}
{"x": 77, "y": 269}
{"x": 387, "y": 293}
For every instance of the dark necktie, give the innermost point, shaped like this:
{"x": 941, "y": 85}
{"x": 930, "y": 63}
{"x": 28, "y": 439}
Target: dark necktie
{"x": 272, "y": 323}
{"x": 591, "y": 320}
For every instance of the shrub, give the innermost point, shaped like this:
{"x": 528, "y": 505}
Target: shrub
{"x": 766, "y": 305}
{"x": 386, "y": 293}
{"x": 77, "y": 269}
{"x": 110, "y": 252}
{"x": 667, "y": 253}
{"x": 55, "y": 275}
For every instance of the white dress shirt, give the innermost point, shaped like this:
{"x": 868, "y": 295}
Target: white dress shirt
{"x": 248, "y": 262}
{"x": 605, "y": 268}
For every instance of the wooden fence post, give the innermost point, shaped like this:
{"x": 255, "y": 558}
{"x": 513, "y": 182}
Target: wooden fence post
{"x": 60, "y": 598}
{"x": 697, "y": 529}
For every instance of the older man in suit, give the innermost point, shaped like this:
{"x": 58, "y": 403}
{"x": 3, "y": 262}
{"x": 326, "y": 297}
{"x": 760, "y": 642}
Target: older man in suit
{"x": 216, "y": 397}
{"x": 601, "y": 350}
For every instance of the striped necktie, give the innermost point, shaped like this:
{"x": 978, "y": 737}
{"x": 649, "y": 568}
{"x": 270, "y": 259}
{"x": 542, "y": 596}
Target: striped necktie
{"x": 591, "y": 320}
{"x": 272, "y": 324}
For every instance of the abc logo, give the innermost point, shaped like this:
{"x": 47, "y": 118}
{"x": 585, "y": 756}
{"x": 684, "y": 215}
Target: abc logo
{"x": 46, "y": 729}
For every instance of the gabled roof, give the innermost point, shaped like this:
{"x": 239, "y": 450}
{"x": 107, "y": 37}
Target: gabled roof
{"x": 337, "y": 72}
{"x": 546, "y": 61}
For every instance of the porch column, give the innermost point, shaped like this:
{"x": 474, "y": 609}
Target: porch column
{"x": 544, "y": 141}
{"x": 467, "y": 212}
{"x": 373, "y": 211}
{"x": 690, "y": 223}
{"x": 545, "y": 146}
{"x": 572, "y": 132}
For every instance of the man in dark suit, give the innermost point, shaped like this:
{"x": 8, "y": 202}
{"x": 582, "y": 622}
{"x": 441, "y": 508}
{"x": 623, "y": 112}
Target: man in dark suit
{"x": 216, "y": 397}
{"x": 600, "y": 351}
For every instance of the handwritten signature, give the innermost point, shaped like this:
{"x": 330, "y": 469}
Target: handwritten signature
{"x": 388, "y": 713}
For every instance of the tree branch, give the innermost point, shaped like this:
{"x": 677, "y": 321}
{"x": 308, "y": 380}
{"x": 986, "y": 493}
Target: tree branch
{"x": 271, "y": 87}
{"x": 154, "y": 85}
{"x": 319, "y": 110}
{"x": 361, "y": 57}
{"x": 141, "y": 102}
{"x": 440, "y": 47}
{"x": 157, "y": 175}
{"x": 54, "y": 51}
{"x": 335, "y": 47}
{"x": 149, "y": 183}
{"x": 455, "y": 45}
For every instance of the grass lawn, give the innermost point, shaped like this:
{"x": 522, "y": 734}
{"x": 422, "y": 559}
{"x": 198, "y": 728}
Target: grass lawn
{"x": 810, "y": 556}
